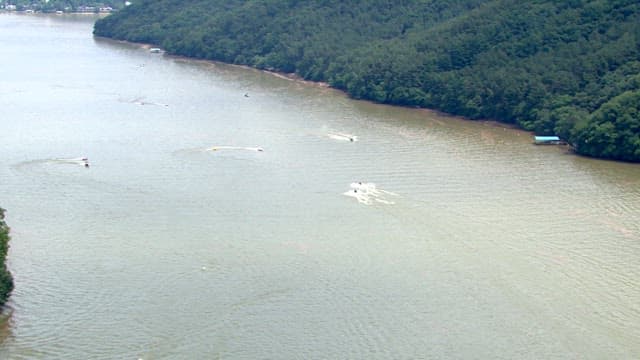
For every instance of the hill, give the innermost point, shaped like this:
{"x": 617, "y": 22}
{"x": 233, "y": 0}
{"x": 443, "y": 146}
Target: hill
{"x": 569, "y": 68}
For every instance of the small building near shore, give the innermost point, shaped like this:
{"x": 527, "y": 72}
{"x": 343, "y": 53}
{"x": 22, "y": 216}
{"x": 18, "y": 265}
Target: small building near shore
{"x": 547, "y": 140}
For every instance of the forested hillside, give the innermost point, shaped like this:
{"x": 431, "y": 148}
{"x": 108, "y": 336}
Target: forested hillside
{"x": 564, "y": 67}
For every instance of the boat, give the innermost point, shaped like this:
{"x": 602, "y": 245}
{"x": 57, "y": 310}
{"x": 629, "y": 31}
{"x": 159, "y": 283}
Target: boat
{"x": 547, "y": 140}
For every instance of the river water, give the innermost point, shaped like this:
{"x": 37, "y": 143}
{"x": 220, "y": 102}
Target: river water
{"x": 183, "y": 241}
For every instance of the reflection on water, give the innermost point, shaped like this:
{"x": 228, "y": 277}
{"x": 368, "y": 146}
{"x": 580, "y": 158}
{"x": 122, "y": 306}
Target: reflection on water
{"x": 217, "y": 225}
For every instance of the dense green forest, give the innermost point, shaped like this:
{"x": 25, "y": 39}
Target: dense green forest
{"x": 556, "y": 67}
{"x": 6, "y": 280}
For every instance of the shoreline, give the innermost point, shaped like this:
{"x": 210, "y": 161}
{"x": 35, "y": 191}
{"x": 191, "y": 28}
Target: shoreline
{"x": 285, "y": 76}
{"x": 28, "y": 12}
{"x": 567, "y": 148}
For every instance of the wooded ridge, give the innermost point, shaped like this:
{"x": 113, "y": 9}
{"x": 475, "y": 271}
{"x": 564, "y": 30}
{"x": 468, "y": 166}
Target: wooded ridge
{"x": 569, "y": 68}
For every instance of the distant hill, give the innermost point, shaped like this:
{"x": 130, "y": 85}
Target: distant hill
{"x": 563, "y": 67}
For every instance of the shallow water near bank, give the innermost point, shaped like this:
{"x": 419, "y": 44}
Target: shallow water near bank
{"x": 489, "y": 247}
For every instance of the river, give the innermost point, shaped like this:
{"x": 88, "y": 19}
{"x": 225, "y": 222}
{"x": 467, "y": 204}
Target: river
{"x": 218, "y": 220}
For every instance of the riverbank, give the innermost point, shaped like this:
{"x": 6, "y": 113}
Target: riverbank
{"x": 299, "y": 79}
{"x": 6, "y": 280}
{"x": 534, "y": 79}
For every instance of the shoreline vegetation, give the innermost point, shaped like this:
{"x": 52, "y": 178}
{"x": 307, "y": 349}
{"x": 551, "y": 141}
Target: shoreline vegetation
{"x": 6, "y": 280}
{"x": 570, "y": 68}
{"x": 297, "y": 78}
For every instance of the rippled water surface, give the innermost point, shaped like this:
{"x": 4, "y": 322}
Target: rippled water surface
{"x": 183, "y": 240}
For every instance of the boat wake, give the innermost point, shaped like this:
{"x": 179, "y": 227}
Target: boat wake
{"x": 368, "y": 194}
{"x": 141, "y": 101}
{"x": 82, "y": 161}
{"x": 218, "y": 148}
{"x": 79, "y": 161}
{"x": 342, "y": 137}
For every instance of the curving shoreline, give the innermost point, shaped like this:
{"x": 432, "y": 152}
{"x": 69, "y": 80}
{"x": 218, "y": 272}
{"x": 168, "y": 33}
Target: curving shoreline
{"x": 449, "y": 61}
{"x": 297, "y": 78}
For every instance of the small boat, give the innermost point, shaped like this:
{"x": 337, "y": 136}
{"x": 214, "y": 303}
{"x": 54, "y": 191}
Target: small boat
{"x": 342, "y": 136}
{"x": 547, "y": 140}
{"x": 155, "y": 50}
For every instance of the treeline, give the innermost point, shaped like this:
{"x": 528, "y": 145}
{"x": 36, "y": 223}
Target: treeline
{"x": 556, "y": 67}
{"x": 6, "y": 280}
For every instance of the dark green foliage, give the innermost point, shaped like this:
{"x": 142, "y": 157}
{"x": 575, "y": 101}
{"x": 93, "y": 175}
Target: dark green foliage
{"x": 6, "y": 280}
{"x": 614, "y": 129}
{"x": 547, "y": 66}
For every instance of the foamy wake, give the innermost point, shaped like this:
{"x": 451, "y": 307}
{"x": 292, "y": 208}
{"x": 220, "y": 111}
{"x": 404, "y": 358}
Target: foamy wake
{"x": 79, "y": 161}
{"x": 368, "y": 193}
{"x": 142, "y": 101}
{"x": 342, "y": 136}
{"x": 217, "y": 148}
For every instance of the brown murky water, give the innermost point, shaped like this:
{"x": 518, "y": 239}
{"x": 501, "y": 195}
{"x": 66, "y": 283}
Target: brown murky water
{"x": 474, "y": 243}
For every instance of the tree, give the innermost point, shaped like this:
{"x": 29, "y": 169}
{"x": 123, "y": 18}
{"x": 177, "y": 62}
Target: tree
{"x": 6, "y": 280}
{"x": 544, "y": 65}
